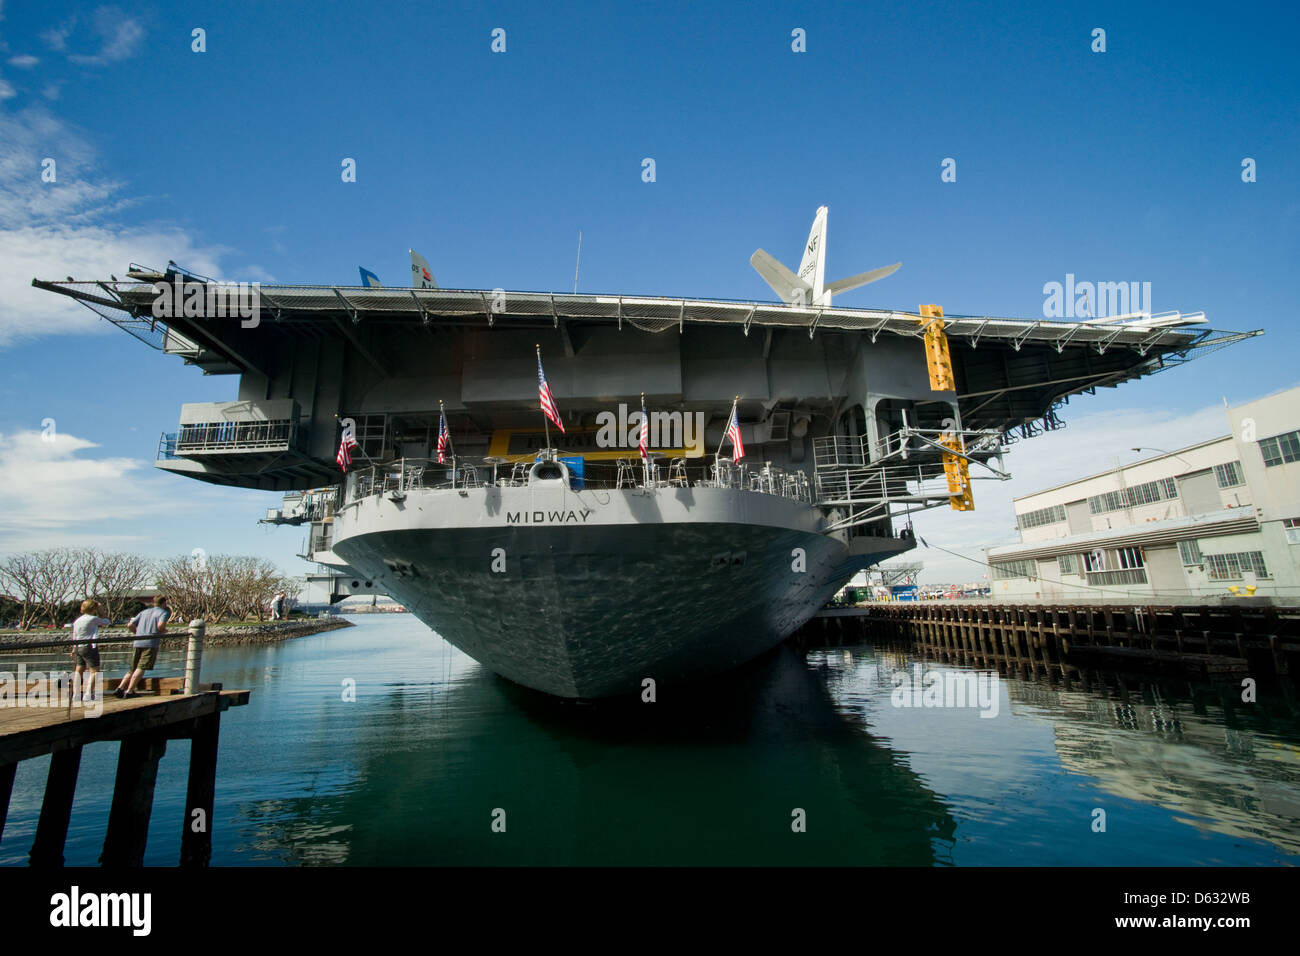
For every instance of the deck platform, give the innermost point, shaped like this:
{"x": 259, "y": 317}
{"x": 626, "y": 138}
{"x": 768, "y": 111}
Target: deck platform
{"x": 52, "y": 724}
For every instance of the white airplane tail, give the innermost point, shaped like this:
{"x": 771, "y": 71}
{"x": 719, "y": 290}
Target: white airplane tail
{"x": 809, "y": 288}
{"x": 812, "y": 268}
{"x": 421, "y": 274}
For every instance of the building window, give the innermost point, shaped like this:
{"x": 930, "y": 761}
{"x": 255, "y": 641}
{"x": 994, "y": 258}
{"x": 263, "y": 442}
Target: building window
{"x": 1011, "y": 569}
{"x": 1253, "y": 561}
{"x": 1094, "y": 561}
{"x": 1129, "y": 558}
{"x": 1280, "y": 449}
{"x": 1222, "y": 567}
{"x": 1229, "y": 474}
{"x": 1068, "y": 563}
{"x": 1228, "y": 567}
{"x": 1190, "y": 552}
{"x": 1292, "y": 526}
{"x": 1109, "y": 501}
{"x": 1145, "y": 494}
{"x": 1036, "y": 519}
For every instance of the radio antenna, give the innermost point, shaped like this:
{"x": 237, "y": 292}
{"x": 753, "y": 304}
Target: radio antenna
{"x": 578, "y": 265}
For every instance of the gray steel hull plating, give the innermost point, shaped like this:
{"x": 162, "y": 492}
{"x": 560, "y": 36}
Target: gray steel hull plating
{"x": 667, "y": 585}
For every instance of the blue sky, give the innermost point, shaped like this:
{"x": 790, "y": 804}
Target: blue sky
{"x": 1115, "y": 166}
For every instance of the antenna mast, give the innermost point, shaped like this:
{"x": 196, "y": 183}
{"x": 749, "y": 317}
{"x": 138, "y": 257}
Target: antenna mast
{"x": 578, "y": 265}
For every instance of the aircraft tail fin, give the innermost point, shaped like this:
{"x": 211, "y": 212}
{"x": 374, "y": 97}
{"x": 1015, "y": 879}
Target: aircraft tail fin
{"x": 812, "y": 268}
{"x": 421, "y": 274}
{"x": 787, "y": 286}
{"x": 861, "y": 279}
{"x": 369, "y": 279}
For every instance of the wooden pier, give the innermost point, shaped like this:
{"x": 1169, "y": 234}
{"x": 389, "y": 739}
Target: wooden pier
{"x": 143, "y": 725}
{"x": 1206, "y": 641}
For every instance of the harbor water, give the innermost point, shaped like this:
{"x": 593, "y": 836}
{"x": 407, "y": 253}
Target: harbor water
{"x": 836, "y": 756}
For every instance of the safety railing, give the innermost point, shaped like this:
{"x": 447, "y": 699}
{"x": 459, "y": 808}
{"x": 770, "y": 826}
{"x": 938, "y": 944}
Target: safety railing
{"x": 840, "y": 451}
{"x": 234, "y": 436}
{"x": 395, "y": 479}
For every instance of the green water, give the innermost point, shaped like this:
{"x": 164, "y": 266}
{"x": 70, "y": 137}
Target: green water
{"x": 435, "y": 748}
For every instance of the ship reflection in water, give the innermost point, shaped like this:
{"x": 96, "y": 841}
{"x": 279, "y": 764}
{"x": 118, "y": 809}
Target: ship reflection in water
{"x": 413, "y": 770}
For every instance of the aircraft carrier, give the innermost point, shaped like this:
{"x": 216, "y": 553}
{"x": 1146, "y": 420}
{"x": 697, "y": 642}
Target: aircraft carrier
{"x": 565, "y": 560}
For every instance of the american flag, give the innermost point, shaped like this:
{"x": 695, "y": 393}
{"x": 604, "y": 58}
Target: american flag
{"x": 548, "y": 402}
{"x": 645, "y": 432}
{"x": 344, "y": 457}
{"x": 733, "y": 432}
{"x": 443, "y": 437}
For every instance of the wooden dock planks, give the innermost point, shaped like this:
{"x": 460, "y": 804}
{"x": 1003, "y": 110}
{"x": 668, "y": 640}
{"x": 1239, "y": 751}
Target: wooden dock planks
{"x": 143, "y": 725}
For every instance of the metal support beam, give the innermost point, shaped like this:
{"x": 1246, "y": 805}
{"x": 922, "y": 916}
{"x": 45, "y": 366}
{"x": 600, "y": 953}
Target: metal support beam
{"x": 351, "y": 309}
{"x": 812, "y": 328}
{"x": 424, "y": 316}
{"x": 1106, "y": 343}
{"x": 1020, "y": 340}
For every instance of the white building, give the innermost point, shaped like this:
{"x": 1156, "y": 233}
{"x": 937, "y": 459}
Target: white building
{"x": 1194, "y": 522}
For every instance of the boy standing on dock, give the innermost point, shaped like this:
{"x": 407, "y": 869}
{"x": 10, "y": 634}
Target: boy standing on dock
{"x": 85, "y": 654}
{"x": 146, "y": 626}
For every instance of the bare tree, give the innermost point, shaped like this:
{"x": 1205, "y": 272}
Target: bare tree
{"x": 255, "y": 582}
{"x": 55, "y": 581}
{"x": 18, "y": 577}
{"x": 117, "y": 578}
{"x": 215, "y": 586}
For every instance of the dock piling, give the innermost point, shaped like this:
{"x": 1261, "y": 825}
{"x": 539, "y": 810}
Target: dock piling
{"x": 194, "y": 655}
{"x": 128, "y": 817}
{"x": 56, "y": 808}
{"x": 200, "y": 793}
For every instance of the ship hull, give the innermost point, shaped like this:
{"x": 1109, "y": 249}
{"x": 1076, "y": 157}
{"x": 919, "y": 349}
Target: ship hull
{"x": 640, "y": 587}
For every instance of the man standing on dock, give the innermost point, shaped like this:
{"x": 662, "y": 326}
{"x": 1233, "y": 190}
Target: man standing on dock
{"x": 146, "y": 626}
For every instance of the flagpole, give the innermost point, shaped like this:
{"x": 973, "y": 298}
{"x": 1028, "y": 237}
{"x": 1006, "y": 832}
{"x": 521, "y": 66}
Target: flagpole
{"x": 442, "y": 420}
{"x": 545, "y": 421}
{"x": 730, "y": 415}
{"x": 355, "y": 444}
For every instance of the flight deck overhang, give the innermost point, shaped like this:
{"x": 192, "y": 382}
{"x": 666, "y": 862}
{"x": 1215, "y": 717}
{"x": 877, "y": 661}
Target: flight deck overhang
{"x": 1007, "y": 372}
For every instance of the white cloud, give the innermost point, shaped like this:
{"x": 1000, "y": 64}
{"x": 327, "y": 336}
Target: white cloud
{"x": 51, "y": 92}
{"x": 24, "y": 61}
{"x": 85, "y": 252}
{"x": 53, "y": 230}
{"x": 56, "y": 38}
{"x": 1088, "y": 444}
{"x": 119, "y": 35}
{"x": 7, "y": 91}
{"x": 57, "y": 496}
{"x": 50, "y": 489}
